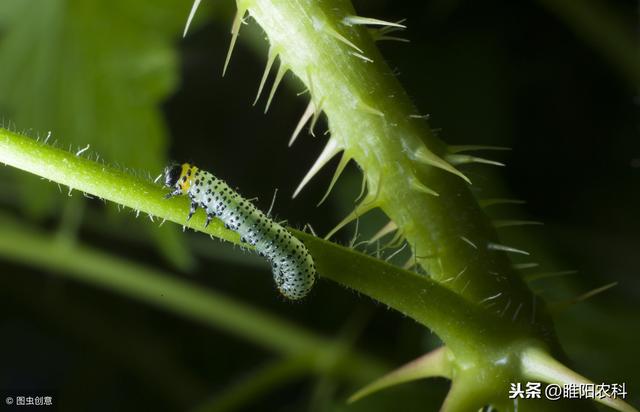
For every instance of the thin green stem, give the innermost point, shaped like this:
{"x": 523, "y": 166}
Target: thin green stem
{"x": 463, "y": 325}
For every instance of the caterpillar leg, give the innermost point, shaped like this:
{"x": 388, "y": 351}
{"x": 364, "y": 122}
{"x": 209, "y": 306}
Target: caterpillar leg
{"x": 192, "y": 210}
{"x": 209, "y": 218}
{"x": 176, "y": 192}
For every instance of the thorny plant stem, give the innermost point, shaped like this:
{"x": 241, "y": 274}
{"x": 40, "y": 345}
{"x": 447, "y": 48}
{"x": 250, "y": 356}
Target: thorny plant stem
{"x": 373, "y": 121}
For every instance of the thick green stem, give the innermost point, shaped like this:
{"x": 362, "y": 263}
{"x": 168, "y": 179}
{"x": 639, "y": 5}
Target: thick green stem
{"x": 372, "y": 119}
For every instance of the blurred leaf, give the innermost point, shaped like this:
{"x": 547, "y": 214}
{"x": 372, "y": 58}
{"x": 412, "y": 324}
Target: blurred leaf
{"x": 96, "y": 73}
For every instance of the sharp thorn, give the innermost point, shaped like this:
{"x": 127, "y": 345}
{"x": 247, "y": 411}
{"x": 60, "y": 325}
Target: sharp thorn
{"x": 316, "y": 115}
{"x": 343, "y": 163}
{"x": 333, "y": 33}
{"x": 424, "y": 155}
{"x": 270, "y": 60}
{"x": 523, "y": 266}
{"x": 435, "y": 363}
{"x": 359, "y": 20}
{"x": 392, "y": 38}
{"x": 192, "y": 13}
{"x": 330, "y": 150}
{"x": 391, "y": 29}
{"x": 360, "y": 210}
{"x": 282, "y": 70}
{"x": 468, "y": 242}
{"x": 317, "y": 105}
{"x": 235, "y": 30}
{"x": 362, "y": 57}
{"x": 363, "y": 187}
{"x": 503, "y": 248}
{"x": 557, "y": 306}
{"x": 303, "y": 120}
{"x": 419, "y": 186}
{"x": 457, "y": 159}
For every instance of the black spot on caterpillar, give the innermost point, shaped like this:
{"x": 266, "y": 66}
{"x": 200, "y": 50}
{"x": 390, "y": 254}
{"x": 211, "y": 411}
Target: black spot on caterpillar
{"x": 293, "y": 268}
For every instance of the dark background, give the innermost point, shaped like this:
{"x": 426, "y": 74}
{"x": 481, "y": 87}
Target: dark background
{"x": 515, "y": 74}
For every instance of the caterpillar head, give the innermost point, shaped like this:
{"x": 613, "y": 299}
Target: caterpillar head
{"x": 172, "y": 175}
{"x": 179, "y": 177}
